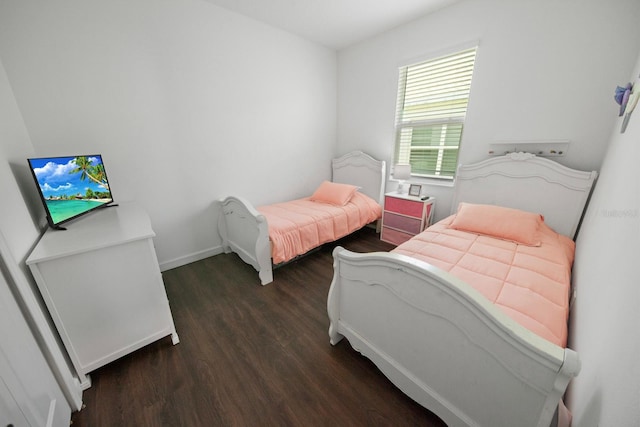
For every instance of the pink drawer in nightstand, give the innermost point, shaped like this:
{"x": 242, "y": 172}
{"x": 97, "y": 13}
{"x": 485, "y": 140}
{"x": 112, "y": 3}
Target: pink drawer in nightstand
{"x": 394, "y": 237}
{"x": 403, "y": 223}
{"x": 403, "y": 206}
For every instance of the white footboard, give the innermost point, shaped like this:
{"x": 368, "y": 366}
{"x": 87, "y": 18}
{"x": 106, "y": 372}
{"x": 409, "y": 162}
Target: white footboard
{"x": 244, "y": 231}
{"x": 444, "y": 344}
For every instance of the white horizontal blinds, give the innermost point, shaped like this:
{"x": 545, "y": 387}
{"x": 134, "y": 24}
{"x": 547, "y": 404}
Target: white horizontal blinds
{"x": 432, "y": 104}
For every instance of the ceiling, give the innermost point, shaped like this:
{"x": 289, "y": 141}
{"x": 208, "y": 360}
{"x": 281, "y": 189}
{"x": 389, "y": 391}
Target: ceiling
{"x": 334, "y": 23}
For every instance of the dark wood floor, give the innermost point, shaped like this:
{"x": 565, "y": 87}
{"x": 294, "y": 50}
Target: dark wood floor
{"x": 250, "y": 355}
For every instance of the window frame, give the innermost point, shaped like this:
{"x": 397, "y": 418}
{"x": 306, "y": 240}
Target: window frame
{"x": 443, "y": 118}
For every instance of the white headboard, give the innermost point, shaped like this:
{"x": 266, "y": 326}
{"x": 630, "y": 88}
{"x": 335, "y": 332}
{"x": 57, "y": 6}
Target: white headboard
{"x": 358, "y": 168}
{"x": 524, "y": 181}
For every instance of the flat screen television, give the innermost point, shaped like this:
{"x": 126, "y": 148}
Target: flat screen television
{"x": 71, "y": 186}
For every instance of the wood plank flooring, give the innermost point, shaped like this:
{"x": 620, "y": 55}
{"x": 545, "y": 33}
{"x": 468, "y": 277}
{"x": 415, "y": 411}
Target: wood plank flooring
{"x": 250, "y": 355}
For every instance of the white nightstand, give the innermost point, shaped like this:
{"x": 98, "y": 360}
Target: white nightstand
{"x": 404, "y": 216}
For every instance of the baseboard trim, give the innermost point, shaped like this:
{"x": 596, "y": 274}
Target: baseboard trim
{"x": 188, "y": 259}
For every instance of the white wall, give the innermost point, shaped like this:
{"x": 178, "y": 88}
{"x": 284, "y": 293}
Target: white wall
{"x": 20, "y": 344}
{"x": 186, "y": 101}
{"x": 545, "y": 70}
{"x": 16, "y": 223}
{"x": 605, "y": 316}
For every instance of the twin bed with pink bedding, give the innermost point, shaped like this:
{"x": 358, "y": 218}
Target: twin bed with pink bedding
{"x": 298, "y": 226}
{"x": 274, "y": 234}
{"x": 469, "y": 318}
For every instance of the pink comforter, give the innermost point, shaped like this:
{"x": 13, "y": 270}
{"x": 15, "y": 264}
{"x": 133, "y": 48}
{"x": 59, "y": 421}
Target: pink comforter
{"x": 530, "y": 284}
{"x": 298, "y": 226}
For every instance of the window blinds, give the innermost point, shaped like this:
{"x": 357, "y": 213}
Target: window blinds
{"x": 432, "y": 104}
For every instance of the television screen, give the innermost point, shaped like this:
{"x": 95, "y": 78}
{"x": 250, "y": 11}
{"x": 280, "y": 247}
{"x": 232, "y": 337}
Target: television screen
{"x": 70, "y": 186}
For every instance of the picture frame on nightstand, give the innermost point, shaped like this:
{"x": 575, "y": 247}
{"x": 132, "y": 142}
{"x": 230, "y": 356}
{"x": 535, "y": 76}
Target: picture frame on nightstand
{"x": 415, "y": 189}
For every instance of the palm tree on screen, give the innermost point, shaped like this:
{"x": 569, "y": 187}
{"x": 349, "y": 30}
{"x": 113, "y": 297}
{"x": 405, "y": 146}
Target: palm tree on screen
{"x": 94, "y": 173}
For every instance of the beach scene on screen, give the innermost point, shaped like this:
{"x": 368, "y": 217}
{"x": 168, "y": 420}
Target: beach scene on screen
{"x": 71, "y": 186}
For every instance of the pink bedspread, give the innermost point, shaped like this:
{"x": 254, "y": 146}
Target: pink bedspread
{"x": 298, "y": 226}
{"x": 530, "y": 284}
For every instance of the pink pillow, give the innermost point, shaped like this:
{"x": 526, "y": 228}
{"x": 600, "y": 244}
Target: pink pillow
{"x": 496, "y": 221}
{"x": 334, "y": 193}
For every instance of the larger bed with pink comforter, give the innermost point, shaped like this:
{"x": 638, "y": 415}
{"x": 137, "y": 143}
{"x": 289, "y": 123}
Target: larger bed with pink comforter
{"x": 529, "y": 283}
{"x": 469, "y": 318}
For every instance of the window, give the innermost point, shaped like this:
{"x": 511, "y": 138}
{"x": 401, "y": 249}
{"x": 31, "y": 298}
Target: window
{"x": 432, "y": 104}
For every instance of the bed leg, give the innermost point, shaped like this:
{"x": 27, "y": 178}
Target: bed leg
{"x": 266, "y": 276}
{"x": 333, "y": 299}
{"x": 334, "y": 336}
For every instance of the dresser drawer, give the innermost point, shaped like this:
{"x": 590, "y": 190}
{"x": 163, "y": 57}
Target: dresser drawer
{"x": 403, "y": 206}
{"x": 394, "y": 237}
{"x": 402, "y": 223}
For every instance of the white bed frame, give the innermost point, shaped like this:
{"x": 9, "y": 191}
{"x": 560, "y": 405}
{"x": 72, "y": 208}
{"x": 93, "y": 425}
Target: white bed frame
{"x": 438, "y": 339}
{"x": 245, "y": 231}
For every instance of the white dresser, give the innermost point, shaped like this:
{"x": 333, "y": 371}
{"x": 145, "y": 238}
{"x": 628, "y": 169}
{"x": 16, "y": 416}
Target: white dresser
{"x": 102, "y": 285}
